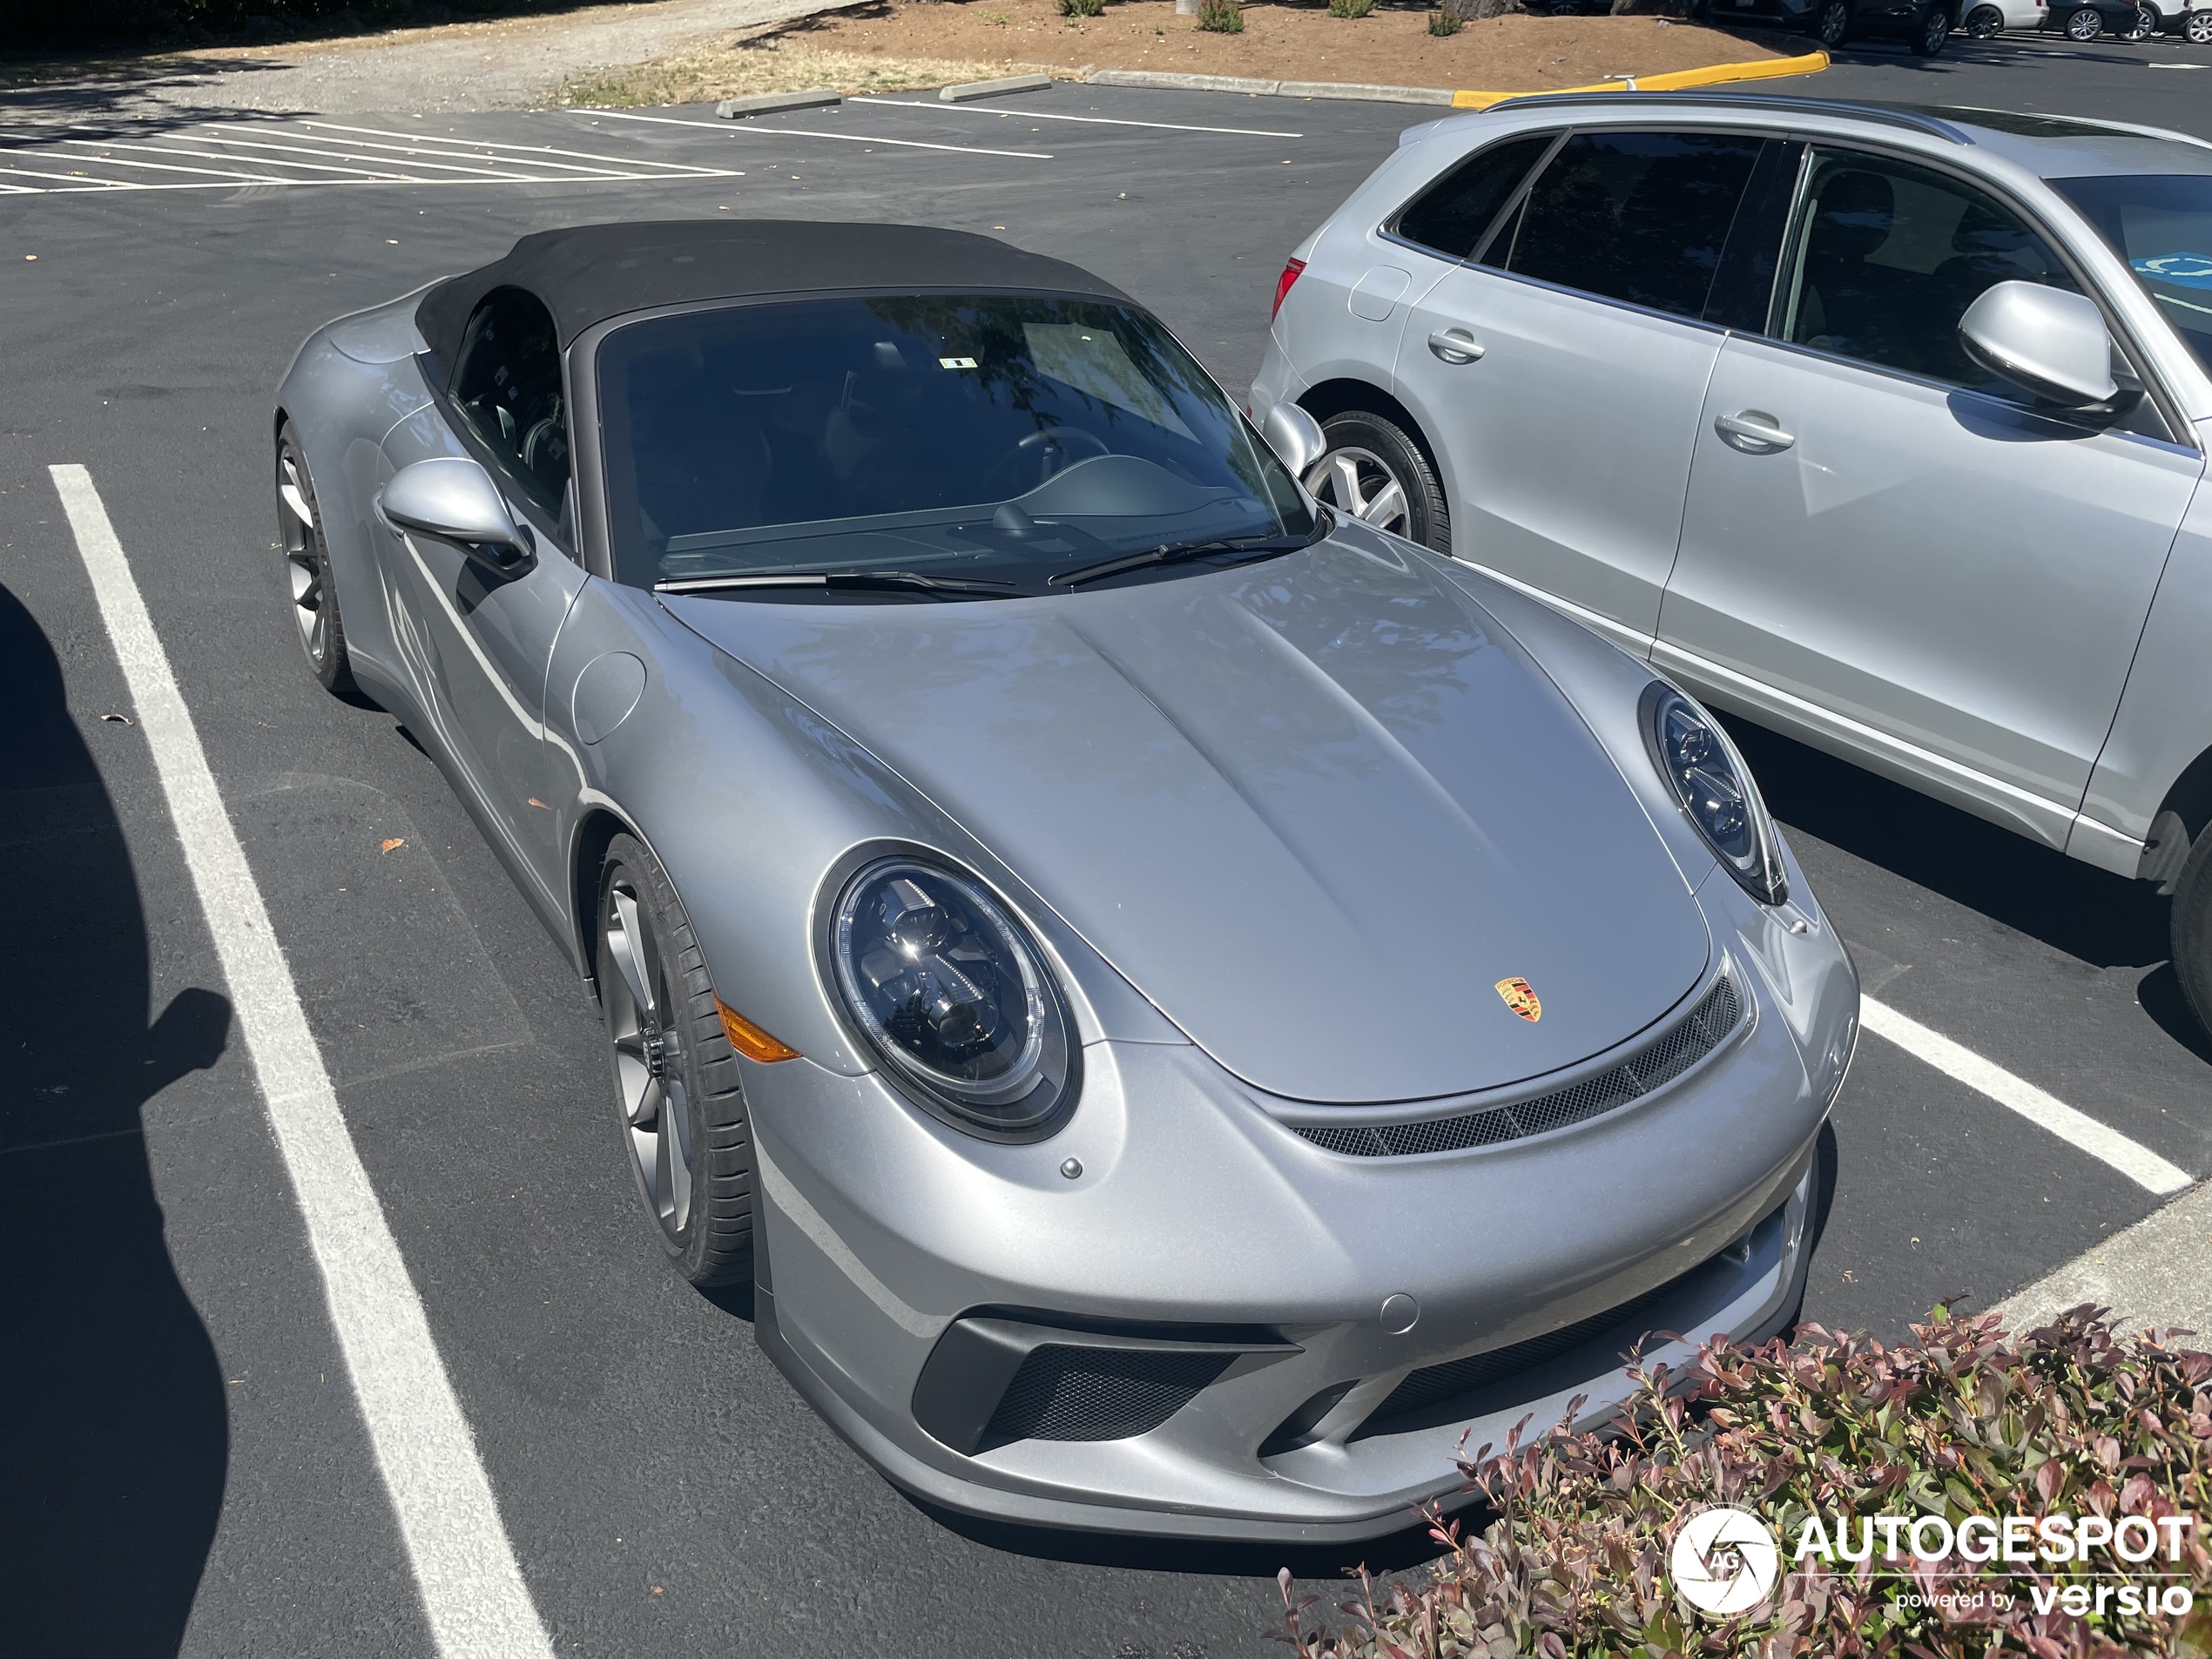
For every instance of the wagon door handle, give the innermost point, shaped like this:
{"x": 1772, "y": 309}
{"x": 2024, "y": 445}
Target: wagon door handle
{"x": 1754, "y": 427}
{"x": 1455, "y": 345}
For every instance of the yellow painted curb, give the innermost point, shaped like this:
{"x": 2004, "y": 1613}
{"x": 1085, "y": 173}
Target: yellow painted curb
{"x": 1765, "y": 69}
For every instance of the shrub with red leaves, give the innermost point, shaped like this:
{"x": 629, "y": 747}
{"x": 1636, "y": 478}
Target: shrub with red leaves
{"x": 1965, "y": 1421}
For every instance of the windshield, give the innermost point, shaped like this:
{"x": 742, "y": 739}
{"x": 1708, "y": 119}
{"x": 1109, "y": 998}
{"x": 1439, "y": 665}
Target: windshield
{"x": 998, "y": 439}
{"x": 2161, "y": 225}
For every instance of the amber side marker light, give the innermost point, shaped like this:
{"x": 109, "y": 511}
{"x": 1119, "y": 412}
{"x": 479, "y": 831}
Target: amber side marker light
{"x": 749, "y": 1039}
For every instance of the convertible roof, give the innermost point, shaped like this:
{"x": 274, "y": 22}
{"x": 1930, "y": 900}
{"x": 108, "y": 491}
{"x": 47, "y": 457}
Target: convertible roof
{"x": 587, "y": 274}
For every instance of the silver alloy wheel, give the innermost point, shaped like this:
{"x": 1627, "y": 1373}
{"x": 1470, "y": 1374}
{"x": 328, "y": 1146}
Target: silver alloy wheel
{"x": 1359, "y": 484}
{"x": 2146, "y": 24}
{"x": 2198, "y": 27}
{"x": 1935, "y": 31}
{"x": 1834, "y": 24}
{"x": 2084, "y": 24}
{"x": 1985, "y": 22}
{"x": 649, "y": 1073}
{"x": 305, "y": 563}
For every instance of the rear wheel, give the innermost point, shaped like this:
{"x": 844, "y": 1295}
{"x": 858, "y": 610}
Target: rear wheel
{"x": 1373, "y": 471}
{"x": 1831, "y": 23}
{"x": 1985, "y": 22}
{"x": 683, "y": 1113}
{"x": 306, "y": 567}
{"x": 1932, "y": 31}
{"x": 2084, "y": 24}
{"x": 2198, "y": 27}
{"x": 2147, "y": 24}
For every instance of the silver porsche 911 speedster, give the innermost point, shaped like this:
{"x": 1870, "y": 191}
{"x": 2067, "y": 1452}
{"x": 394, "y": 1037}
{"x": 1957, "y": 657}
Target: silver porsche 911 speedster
{"x": 1180, "y": 1003}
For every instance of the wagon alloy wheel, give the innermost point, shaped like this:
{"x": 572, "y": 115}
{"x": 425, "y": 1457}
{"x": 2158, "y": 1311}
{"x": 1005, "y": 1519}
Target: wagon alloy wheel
{"x": 682, "y": 1106}
{"x": 1985, "y": 22}
{"x": 1372, "y": 471}
{"x": 1832, "y": 23}
{"x": 2084, "y": 24}
{"x": 315, "y": 596}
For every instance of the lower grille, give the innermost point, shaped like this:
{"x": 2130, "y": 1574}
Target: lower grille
{"x": 1068, "y": 1394}
{"x": 1657, "y": 1063}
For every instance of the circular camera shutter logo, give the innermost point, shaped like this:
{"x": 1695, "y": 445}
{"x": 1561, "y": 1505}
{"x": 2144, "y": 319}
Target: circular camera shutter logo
{"x": 1725, "y": 1560}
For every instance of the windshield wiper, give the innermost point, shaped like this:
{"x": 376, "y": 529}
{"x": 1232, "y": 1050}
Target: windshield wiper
{"x": 849, "y": 580}
{"x": 1244, "y": 547}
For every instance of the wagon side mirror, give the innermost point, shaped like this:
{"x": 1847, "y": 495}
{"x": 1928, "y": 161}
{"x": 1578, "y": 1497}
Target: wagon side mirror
{"x": 1294, "y": 435}
{"x": 453, "y": 497}
{"x": 2045, "y": 341}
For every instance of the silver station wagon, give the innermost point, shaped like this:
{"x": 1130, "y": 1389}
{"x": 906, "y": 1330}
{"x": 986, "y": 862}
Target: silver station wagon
{"x": 1882, "y": 426}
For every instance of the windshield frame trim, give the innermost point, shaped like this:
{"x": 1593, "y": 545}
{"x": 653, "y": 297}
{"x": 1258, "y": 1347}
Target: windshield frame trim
{"x": 588, "y": 453}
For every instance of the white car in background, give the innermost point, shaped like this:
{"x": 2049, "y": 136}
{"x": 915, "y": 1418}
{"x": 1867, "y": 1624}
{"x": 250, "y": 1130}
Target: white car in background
{"x": 1980, "y": 19}
{"x": 1883, "y": 426}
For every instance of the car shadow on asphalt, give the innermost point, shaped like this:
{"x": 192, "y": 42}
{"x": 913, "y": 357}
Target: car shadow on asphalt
{"x": 116, "y": 1429}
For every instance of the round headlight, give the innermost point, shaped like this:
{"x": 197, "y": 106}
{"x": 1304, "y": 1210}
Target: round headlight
{"x": 1714, "y": 788}
{"x": 952, "y": 995}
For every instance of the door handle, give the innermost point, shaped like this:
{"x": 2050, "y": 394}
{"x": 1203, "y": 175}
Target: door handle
{"x": 1754, "y": 427}
{"x": 1455, "y": 345}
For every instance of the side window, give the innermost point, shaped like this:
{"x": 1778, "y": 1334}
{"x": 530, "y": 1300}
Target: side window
{"x": 1889, "y": 256}
{"x": 1450, "y": 215}
{"x": 507, "y": 383}
{"x": 1635, "y": 216}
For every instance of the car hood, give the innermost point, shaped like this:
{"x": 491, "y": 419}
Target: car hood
{"x": 1314, "y": 809}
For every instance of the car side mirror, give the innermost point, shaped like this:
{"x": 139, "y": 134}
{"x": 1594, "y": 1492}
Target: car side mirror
{"x": 1294, "y": 435}
{"x": 2045, "y": 341}
{"x": 453, "y": 497}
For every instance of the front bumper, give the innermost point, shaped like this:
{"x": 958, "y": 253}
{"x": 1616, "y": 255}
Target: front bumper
{"x": 1202, "y": 1220}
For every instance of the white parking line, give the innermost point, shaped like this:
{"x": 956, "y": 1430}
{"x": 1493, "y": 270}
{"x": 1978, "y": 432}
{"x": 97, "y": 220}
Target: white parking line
{"x": 2139, "y": 1163}
{"x": 734, "y": 128}
{"x": 459, "y": 146}
{"x": 473, "y": 1593}
{"x": 1039, "y": 115}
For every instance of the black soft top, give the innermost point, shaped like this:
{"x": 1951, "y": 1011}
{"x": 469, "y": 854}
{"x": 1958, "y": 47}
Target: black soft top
{"x": 590, "y": 272}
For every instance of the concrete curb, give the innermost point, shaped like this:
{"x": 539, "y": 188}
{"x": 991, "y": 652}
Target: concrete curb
{"x": 1268, "y": 89}
{"x": 1712, "y": 75}
{"x": 966, "y": 90}
{"x": 2152, "y": 1274}
{"x": 732, "y": 109}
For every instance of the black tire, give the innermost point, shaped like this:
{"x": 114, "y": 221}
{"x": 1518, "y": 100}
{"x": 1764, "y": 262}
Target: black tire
{"x": 672, "y": 1066}
{"x": 1378, "y": 450}
{"x": 1984, "y": 23}
{"x": 1831, "y": 24}
{"x": 2197, "y": 27}
{"x": 309, "y": 585}
{"x": 1932, "y": 31}
{"x": 2191, "y": 927}
{"x": 2084, "y": 24}
{"x": 2148, "y": 23}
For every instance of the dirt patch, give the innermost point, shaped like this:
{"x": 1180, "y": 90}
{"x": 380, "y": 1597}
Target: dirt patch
{"x": 1301, "y": 41}
{"x": 765, "y": 66}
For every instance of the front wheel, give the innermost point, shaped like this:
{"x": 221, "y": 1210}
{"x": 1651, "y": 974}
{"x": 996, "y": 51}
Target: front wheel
{"x": 1370, "y": 469}
{"x": 1831, "y": 23}
{"x": 2145, "y": 26}
{"x": 1932, "y": 31}
{"x": 2198, "y": 27}
{"x": 307, "y": 568}
{"x": 1985, "y": 22}
{"x": 2084, "y": 24}
{"x": 682, "y": 1106}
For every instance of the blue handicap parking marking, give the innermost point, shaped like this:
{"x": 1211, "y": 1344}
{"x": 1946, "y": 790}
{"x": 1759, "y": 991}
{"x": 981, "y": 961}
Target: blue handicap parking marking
{"x": 2183, "y": 270}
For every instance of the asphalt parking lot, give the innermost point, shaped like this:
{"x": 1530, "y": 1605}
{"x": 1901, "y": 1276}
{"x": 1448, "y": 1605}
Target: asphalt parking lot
{"x": 181, "y": 1391}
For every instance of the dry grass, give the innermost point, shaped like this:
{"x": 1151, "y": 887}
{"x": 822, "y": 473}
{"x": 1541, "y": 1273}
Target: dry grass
{"x": 765, "y": 66}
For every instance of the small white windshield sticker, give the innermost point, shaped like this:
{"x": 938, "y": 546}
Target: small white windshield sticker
{"x": 955, "y": 362}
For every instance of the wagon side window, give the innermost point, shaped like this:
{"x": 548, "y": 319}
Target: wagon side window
{"x": 1451, "y": 216}
{"x": 507, "y": 385}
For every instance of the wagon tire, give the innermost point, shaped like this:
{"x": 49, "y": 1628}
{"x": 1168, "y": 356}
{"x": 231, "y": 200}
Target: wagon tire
{"x": 1371, "y": 469}
{"x": 312, "y": 588}
{"x": 679, "y": 1100}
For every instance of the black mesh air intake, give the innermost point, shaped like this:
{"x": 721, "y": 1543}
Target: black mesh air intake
{"x": 1658, "y": 1062}
{"x": 1068, "y": 1393}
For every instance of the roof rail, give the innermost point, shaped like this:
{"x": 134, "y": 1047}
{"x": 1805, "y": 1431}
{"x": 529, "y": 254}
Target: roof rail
{"x": 1888, "y": 115}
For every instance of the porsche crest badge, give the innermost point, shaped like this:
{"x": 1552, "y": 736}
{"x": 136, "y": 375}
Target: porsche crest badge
{"x": 1521, "y": 997}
